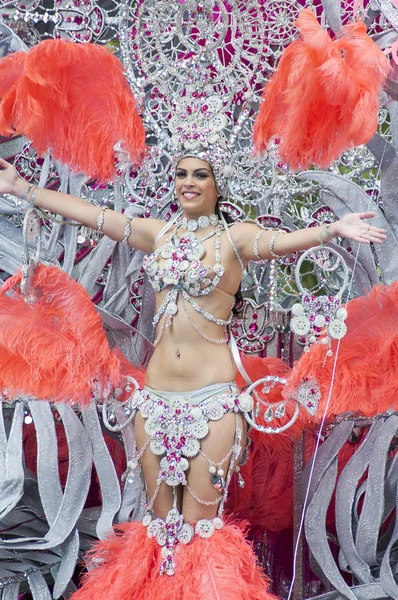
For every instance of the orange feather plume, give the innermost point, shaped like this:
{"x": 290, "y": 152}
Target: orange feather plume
{"x": 56, "y": 347}
{"x": 366, "y": 378}
{"x": 72, "y": 100}
{"x": 223, "y": 566}
{"x": 324, "y": 96}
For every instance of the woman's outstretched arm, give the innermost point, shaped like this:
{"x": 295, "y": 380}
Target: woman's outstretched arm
{"x": 250, "y": 238}
{"x": 143, "y": 231}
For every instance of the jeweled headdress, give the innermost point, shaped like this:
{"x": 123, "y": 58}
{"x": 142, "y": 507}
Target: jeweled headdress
{"x": 205, "y": 106}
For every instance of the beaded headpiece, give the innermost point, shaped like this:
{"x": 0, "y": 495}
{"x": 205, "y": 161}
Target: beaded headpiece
{"x": 206, "y": 106}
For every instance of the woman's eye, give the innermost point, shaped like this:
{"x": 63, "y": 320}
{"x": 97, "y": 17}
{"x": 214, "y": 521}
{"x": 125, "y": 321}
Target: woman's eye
{"x": 202, "y": 175}
{"x": 180, "y": 174}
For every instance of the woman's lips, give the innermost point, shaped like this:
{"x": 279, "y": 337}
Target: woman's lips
{"x": 190, "y": 195}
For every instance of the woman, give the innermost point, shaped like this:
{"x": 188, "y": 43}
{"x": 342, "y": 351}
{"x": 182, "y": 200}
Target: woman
{"x": 190, "y": 426}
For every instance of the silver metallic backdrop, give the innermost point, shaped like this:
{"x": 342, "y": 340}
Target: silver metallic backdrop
{"x": 151, "y": 37}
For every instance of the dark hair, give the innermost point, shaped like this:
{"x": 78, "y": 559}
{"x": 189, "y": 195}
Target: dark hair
{"x": 237, "y": 307}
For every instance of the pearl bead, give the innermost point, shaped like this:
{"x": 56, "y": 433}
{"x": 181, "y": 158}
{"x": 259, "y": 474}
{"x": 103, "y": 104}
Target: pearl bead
{"x": 212, "y": 470}
{"x": 220, "y": 472}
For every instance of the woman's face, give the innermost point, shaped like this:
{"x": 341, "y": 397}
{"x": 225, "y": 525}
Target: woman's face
{"x": 196, "y": 187}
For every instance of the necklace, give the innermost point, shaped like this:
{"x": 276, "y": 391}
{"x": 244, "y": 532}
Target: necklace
{"x": 203, "y": 222}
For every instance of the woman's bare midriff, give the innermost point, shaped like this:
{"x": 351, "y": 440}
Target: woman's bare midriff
{"x": 183, "y": 360}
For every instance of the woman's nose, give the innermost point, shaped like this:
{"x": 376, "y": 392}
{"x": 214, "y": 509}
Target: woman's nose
{"x": 189, "y": 182}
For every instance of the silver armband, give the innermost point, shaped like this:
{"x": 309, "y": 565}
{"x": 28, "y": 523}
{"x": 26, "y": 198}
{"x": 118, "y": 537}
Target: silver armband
{"x": 326, "y": 227}
{"x": 101, "y": 219}
{"x": 127, "y": 230}
{"x": 26, "y": 192}
{"x": 34, "y": 194}
{"x": 255, "y": 245}
{"x": 272, "y": 244}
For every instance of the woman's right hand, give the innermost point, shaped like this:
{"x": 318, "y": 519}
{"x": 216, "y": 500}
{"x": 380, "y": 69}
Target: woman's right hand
{"x": 8, "y": 178}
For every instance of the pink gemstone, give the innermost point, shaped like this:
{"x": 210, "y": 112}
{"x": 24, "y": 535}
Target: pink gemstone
{"x": 255, "y": 316}
{"x": 253, "y": 327}
{"x": 171, "y": 468}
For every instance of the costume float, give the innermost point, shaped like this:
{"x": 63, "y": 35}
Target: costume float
{"x": 200, "y": 68}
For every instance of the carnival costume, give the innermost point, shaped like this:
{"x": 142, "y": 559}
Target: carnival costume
{"x": 210, "y": 558}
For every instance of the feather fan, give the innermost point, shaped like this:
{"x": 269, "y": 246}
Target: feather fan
{"x": 55, "y": 347}
{"x": 73, "y": 100}
{"x": 324, "y": 96}
{"x": 366, "y": 378}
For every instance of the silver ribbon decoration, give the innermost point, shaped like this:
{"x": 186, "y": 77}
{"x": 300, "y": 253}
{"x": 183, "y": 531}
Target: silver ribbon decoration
{"x": 11, "y": 467}
{"x": 110, "y": 490}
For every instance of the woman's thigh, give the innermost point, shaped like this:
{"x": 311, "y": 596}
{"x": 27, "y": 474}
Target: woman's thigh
{"x": 215, "y": 446}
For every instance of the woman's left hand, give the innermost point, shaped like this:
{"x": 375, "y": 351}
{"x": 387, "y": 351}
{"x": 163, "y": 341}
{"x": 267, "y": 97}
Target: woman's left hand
{"x": 353, "y": 227}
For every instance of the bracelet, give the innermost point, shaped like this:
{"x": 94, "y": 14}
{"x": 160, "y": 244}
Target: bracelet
{"x": 272, "y": 243}
{"x": 34, "y": 195}
{"x": 127, "y": 230}
{"x": 326, "y": 227}
{"x": 101, "y": 219}
{"x": 255, "y": 245}
{"x": 26, "y": 192}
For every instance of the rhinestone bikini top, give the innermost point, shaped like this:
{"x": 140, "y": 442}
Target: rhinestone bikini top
{"x": 184, "y": 274}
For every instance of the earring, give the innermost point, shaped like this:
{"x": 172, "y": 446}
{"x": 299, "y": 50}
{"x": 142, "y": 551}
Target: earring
{"x": 319, "y": 319}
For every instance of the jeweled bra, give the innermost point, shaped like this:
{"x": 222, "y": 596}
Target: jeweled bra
{"x": 183, "y": 272}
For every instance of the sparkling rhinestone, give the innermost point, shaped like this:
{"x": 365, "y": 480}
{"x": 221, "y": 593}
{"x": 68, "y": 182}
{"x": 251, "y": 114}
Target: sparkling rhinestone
{"x": 245, "y": 402}
{"x": 218, "y": 523}
{"x": 300, "y": 325}
{"x": 269, "y": 414}
{"x": 337, "y": 329}
{"x": 186, "y": 533}
{"x": 204, "y": 528}
{"x": 319, "y": 320}
{"x": 171, "y": 308}
{"x": 297, "y": 310}
{"x": 341, "y": 314}
{"x": 192, "y": 225}
{"x": 191, "y": 448}
{"x": 214, "y": 410}
{"x": 203, "y": 222}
